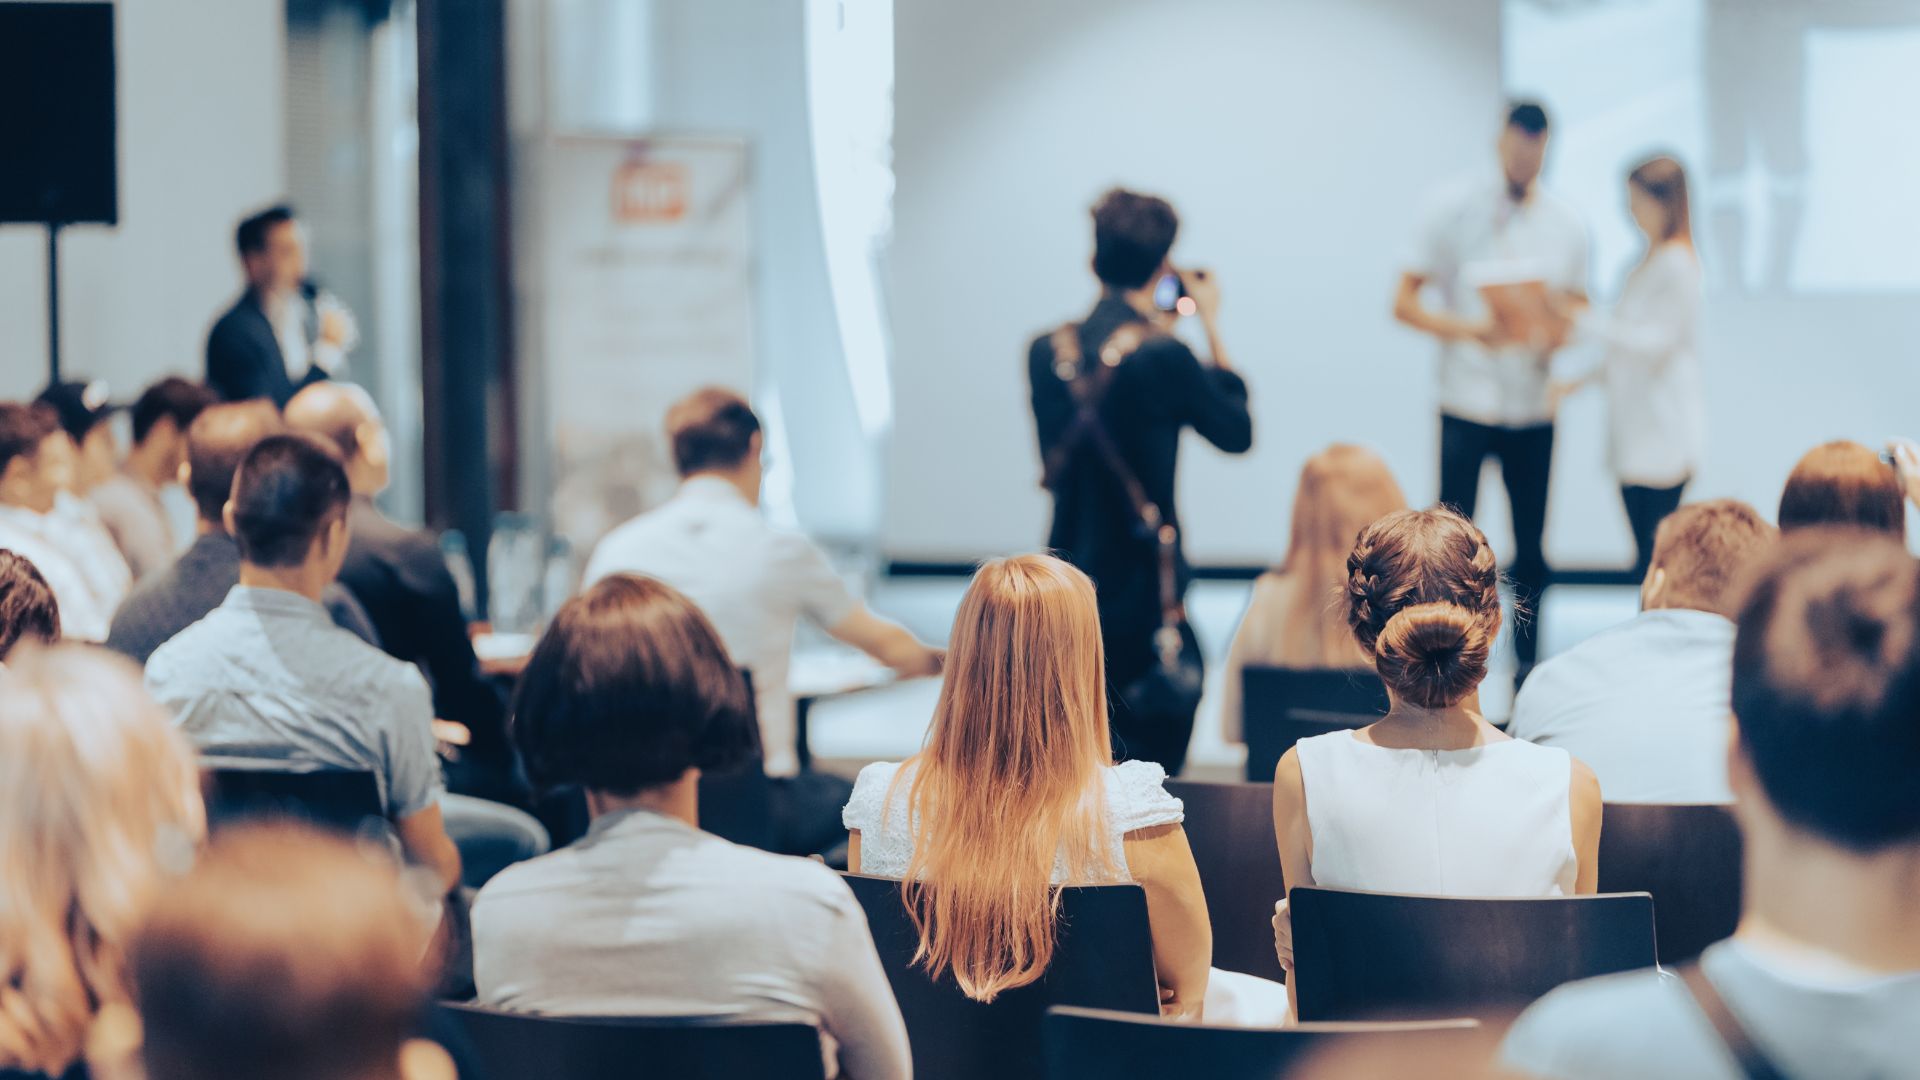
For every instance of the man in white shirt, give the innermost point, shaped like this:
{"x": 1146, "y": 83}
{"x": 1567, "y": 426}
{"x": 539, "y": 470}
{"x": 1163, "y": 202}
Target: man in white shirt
{"x": 1822, "y": 979}
{"x": 1646, "y": 704}
{"x": 1508, "y": 236}
{"x": 32, "y": 446}
{"x": 755, "y": 582}
{"x": 132, "y": 502}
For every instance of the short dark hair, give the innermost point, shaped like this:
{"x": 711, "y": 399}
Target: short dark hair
{"x": 628, "y": 689}
{"x": 172, "y": 398}
{"x": 251, "y": 236}
{"x": 712, "y": 428}
{"x": 27, "y": 606}
{"x": 1826, "y": 686}
{"x": 1528, "y": 116}
{"x": 22, "y": 429}
{"x": 1132, "y": 234}
{"x": 288, "y": 489}
{"x": 216, "y": 441}
{"x": 1844, "y": 483}
{"x": 78, "y": 407}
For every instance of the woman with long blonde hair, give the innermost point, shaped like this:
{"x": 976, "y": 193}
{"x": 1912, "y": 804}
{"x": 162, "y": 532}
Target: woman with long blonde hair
{"x": 1016, "y": 793}
{"x": 1297, "y": 616}
{"x": 99, "y": 803}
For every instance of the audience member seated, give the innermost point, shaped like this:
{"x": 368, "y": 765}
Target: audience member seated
{"x": 30, "y": 441}
{"x": 629, "y": 695}
{"x": 1646, "y": 704}
{"x": 132, "y": 501}
{"x": 200, "y": 579}
{"x": 80, "y": 461}
{"x": 1844, "y": 484}
{"x": 99, "y": 805}
{"x": 400, "y": 577}
{"x": 28, "y": 611}
{"x": 1823, "y": 976}
{"x": 268, "y": 677}
{"x": 285, "y": 955}
{"x": 1432, "y": 799}
{"x": 1296, "y": 618}
{"x": 755, "y": 582}
{"x": 1017, "y": 790}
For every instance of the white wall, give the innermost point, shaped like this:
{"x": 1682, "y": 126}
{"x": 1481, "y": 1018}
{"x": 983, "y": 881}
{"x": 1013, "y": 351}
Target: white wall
{"x": 1296, "y": 136}
{"x": 200, "y": 132}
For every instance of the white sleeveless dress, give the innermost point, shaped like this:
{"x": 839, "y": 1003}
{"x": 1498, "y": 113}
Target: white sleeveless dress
{"x": 1493, "y": 820}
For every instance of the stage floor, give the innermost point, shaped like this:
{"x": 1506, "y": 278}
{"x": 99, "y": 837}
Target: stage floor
{"x": 891, "y": 722}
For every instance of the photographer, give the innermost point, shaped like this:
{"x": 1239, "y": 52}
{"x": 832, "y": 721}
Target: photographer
{"x": 1110, "y": 395}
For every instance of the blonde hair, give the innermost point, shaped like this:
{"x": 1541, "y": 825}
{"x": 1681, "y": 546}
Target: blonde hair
{"x": 1010, "y": 780}
{"x": 99, "y": 798}
{"x": 1343, "y": 489}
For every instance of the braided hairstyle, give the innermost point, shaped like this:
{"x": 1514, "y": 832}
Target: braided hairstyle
{"x": 1423, "y": 596}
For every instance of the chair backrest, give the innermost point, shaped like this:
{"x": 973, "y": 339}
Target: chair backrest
{"x": 1284, "y": 705}
{"x": 1384, "y": 956}
{"x": 527, "y": 1047}
{"x": 1103, "y": 958}
{"x": 343, "y": 799}
{"x": 1096, "y": 1044}
{"x": 1230, "y": 828}
{"x": 1688, "y": 857}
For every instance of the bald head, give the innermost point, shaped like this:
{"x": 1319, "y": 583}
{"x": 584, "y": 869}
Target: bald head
{"x": 216, "y": 441}
{"x": 345, "y": 415}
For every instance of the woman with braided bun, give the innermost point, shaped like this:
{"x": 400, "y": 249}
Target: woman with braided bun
{"x": 1432, "y": 799}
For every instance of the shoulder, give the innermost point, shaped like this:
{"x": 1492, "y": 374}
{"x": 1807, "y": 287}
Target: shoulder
{"x": 1575, "y": 1030}
{"x": 1563, "y": 214}
{"x": 1137, "y": 797}
{"x": 799, "y": 882}
{"x": 866, "y": 807}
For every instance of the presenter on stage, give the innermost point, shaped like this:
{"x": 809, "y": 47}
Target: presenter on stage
{"x": 1650, "y": 364}
{"x": 283, "y": 332}
{"x": 1497, "y": 265}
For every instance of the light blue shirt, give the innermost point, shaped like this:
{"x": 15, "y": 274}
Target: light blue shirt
{"x": 267, "y": 676}
{"x": 1647, "y": 705}
{"x": 1644, "y": 1025}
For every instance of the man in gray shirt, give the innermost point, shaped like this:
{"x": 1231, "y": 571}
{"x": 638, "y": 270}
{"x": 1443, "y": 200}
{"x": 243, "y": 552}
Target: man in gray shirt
{"x": 1823, "y": 977}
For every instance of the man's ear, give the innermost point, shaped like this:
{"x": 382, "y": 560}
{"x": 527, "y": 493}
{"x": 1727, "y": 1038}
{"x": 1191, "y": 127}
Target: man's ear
{"x": 226, "y": 518}
{"x": 424, "y": 1059}
{"x": 185, "y": 475}
{"x": 1653, "y": 591}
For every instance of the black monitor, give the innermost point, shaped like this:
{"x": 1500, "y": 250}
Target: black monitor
{"x": 57, "y": 151}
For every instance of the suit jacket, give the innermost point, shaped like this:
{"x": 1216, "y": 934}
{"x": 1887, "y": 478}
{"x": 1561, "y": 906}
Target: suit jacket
{"x": 244, "y": 360}
{"x": 179, "y": 596}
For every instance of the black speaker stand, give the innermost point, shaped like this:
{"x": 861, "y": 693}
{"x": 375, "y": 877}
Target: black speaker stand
{"x": 53, "y": 302}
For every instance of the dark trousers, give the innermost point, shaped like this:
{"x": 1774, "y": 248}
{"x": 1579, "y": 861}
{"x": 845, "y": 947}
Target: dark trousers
{"x": 1526, "y": 463}
{"x": 1159, "y": 734}
{"x": 1646, "y": 508}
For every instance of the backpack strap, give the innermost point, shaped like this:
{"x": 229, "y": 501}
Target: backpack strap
{"x": 1753, "y": 1061}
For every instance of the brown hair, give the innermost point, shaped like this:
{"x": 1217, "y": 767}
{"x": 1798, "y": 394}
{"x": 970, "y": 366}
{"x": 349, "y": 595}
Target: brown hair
{"x": 1343, "y": 489}
{"x": 1705, "y": 549}
{"x": 284, "y": 954}
{"x": 1665, "y": 182}
{"x": 1423, "y": 595}
{"x": 1844, "y": 483}
{"x": 712, "y": 428}
{"x": 27, "y": 606}
{"x": 216, "y": 441}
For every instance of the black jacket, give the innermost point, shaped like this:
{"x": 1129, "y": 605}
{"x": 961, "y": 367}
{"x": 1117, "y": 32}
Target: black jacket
{"x": 1156, "y": 392}
{"x": 244, "y": 360}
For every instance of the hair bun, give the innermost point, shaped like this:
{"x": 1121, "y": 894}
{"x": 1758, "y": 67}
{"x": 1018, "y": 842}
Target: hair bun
{"x": 1433, "y": 655}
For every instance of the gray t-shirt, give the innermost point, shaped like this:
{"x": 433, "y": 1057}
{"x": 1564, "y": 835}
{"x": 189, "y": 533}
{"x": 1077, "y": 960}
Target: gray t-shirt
{"x": 648, "y": 916}
{"x": 1644, "y": 1025}
{"x": 267, "y": 676}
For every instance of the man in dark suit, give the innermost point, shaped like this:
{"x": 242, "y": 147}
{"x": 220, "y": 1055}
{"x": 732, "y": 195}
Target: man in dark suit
{"x": 271, "y": 343}
{"x": 1156, "y": 387}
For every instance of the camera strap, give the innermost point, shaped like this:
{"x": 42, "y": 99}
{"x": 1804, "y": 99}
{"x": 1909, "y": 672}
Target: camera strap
{"x": 1089, "y": 384}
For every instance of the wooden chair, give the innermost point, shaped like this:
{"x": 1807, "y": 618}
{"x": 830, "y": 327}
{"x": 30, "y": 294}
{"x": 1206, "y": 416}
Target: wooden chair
{"x": 1103, "y": 959}
{"x": 341, "y": 799}
{"x": 1688, "y": 857}
{"x": 1285, "y": 705}
{"x": 1382, "y": 956}
{"x": 1230, "y": 827}
{"x": 528, "y": 1047}
{"x": 1095, "y": 1044}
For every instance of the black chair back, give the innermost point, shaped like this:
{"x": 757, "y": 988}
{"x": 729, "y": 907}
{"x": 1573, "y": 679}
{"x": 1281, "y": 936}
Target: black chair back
{"x": 1095, "y": 1044}
{"x": 1284, "y": 705}
{"x": 1688, "y": 857}
{"x": 341, "y": 799}
{"x": 1384, "y": 956}
{"x": 1230, "y": 828}
{"x": 1103, "y": 959}
{"x": 519, "y": 1046}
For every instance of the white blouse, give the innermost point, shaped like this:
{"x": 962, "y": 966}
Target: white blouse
{"x": 1656, "y": 400}
{"x": 1135, "y": 792}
